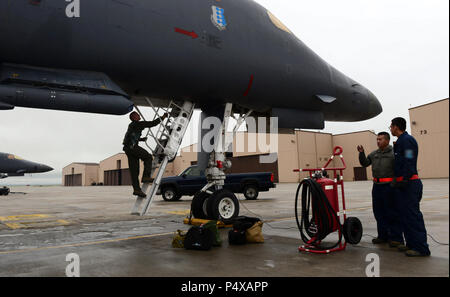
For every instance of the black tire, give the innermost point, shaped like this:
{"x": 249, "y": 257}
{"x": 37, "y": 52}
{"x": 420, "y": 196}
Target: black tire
{"x": 353, "y": 230}
{"x": 4, "y": 191}
{"x": 223, "y": 205}
{"x": 251, "y": 192}
{"x": 170, "y": 194}
{"x": 198, "y": 205}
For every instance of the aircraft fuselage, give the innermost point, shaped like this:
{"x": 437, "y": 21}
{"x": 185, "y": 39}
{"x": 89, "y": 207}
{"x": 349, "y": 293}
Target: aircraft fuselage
{"x": 171, "y": 49}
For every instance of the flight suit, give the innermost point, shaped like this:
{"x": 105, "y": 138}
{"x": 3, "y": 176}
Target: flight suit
{"x": 135, "y": 153}
{"x": 408, "y": 192}
{"x": 385, "y": 209}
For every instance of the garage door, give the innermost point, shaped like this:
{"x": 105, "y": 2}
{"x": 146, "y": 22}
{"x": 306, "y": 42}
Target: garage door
{"x": 73, "y": 180}
{"x": 119, "y": 177}
{"x": 248, "y": 164}
{"x": 360, "y": 173}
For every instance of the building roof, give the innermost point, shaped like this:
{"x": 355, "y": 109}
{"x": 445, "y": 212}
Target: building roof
{"x": 82, "y": 163}
{"x": 429, "y": 103}
{"x": 112, "y": 157}
{"x": 356, "y": 132}
{"x": 315, "y": 132}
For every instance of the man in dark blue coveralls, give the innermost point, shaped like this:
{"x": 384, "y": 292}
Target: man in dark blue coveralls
{"x": 409, "y": 190}
{"x": 385, "y": 210}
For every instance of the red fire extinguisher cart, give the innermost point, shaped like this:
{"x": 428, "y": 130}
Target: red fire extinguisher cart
{"x": 321, "y": 193}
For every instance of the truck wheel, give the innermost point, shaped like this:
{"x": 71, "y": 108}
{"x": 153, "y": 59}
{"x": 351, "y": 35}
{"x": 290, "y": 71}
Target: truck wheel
{"x": 170, "y": 194}
{"x": 4, "y": 191}
{"x": 198, "y": 205}
{"x": 223, "y": 205}
{"x": 251, "y": 192}
{"x": 353, "y": 230}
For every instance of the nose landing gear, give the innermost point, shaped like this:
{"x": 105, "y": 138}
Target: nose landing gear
{"x": 214, "y": 202}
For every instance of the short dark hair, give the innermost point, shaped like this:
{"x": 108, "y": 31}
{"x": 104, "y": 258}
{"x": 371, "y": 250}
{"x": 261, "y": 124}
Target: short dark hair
{"x": 400, "y": 123}
{"x": 385, "y": 134}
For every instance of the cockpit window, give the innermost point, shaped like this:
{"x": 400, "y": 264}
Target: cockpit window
{"x": 278, "y": 23}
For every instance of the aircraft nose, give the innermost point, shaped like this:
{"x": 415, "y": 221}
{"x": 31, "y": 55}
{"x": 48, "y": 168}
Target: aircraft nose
{"x": 364, "y": 103}
{"x": 45, "y": 168}
{"x": 375, "y": 107}
{"x": 359, "y": 102}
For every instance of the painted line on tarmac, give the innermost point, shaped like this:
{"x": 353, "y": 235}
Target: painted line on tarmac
{"x": 24, "y": 217}
{"x": 26, "y": 221}
{"x": 85, "y": 243}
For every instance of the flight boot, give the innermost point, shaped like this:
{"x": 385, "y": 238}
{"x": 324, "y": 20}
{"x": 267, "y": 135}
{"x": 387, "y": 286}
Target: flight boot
{"x": 413, "y": 253}
{"x": 378, "y": 241}
{"x": 402, "y": 248}
{"x": 394, "y": 244}
{"x": 139, "y": 193}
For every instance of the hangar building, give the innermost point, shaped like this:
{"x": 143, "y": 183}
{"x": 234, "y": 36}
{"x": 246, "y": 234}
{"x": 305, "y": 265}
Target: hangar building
{"x": 296, "y": 149}
{"x": 80, "y": 174}
{"x": 430, "y": 125}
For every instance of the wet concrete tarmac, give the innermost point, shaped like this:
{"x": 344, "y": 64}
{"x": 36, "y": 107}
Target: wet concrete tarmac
{"x": 38, "y": 230}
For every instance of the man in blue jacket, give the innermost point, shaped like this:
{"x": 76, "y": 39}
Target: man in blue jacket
{"x": 409, "y": 190}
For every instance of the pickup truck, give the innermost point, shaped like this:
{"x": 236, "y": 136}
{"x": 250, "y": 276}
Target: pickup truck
{"x": 192, "y": 180}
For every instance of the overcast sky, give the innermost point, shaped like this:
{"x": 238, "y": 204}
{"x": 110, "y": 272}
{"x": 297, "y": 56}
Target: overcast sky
{"x": 399, "y": 49}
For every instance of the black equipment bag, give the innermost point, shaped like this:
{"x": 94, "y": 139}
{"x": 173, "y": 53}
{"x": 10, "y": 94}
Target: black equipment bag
{"x": 241, "y": 222}
{"x": 237, "y": 236}
{"x": 199, "y": 238}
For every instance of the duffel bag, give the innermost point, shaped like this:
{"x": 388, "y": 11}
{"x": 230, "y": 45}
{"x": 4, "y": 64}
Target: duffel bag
{"x": 199, "y": 238}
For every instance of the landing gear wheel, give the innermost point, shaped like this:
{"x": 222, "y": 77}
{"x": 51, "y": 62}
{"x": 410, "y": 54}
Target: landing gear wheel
{"x": 223, "y": 205}
{"x": 251, "y": 192}
{"x": 353, "y": 230}
{"x": 170, "y": 194}
{"x": 198, "y": 205}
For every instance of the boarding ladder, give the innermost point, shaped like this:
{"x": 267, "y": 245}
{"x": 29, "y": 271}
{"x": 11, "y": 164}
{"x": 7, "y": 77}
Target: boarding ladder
{"x": 167, "y": 137}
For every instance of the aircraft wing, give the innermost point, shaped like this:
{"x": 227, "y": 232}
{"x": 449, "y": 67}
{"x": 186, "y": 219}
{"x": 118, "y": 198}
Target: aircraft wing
{"x": 59, "y": 89}
{"x": 16, "y": 174}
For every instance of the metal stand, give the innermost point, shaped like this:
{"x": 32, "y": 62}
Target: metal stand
{"x": 168, "y": 139}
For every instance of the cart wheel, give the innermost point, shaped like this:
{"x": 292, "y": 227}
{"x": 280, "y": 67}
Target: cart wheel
{"x": 198, "y": 205}
{"x": 353, "y": 230}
